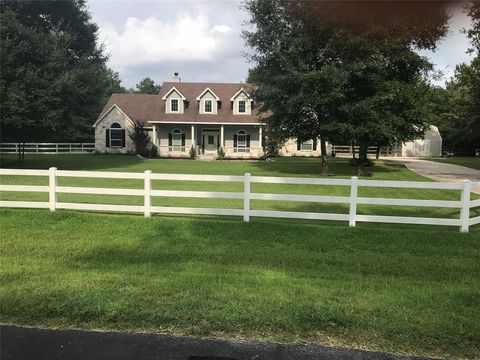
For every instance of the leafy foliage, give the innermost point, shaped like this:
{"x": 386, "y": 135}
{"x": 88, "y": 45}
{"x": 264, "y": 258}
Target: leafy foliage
{"x": 192, "y": 153}
{"x": 54, "y": 80}
{"x": 324, "y": 73}
{"x": 139, "y": 135}
{"x": 459, "y": 108}
{"x": 220, "y": 153}
{"x": 146, "y": 86}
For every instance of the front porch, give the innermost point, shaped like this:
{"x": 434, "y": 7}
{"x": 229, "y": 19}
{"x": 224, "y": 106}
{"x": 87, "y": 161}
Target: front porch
{"x": 237, "y": 141}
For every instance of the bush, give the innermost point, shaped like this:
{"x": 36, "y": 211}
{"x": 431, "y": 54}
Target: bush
{"x": 153, "y": 151}
{"x": 193, "y": 153}
{"x": 220, "y": 153}
{"x": 139, "y": 135}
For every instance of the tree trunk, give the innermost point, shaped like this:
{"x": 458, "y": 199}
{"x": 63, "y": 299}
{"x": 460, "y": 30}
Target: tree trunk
{"x": 353, "y": 150}
{"x": 23, "y": 151}
{"x": 362, "y": 160}
{"x": 377, "y": 155}
{"x": 323, "y": 149}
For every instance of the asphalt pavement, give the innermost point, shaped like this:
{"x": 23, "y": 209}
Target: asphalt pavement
{"x": 21, "y": 343}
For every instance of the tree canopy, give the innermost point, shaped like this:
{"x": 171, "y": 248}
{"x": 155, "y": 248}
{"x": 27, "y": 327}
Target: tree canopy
{"x": 458, "y": 105}
{"x": 146, "y": 86}
{"x": 54, "y": 79}
{"x": 341, "y": 71}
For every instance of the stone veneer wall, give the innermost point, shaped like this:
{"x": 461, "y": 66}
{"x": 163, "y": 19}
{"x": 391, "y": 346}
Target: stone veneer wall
{"x": 114, "y": 116}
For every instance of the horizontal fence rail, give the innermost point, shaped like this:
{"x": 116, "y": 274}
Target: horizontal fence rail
{"x": 47, "y": 148}
{"x": 463, "y": 222}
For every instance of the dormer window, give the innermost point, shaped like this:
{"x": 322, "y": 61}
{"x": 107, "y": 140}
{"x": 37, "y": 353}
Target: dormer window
{"x": 174, "y": 105}
{"x": 242, "y": 106}
{"x": 208, "y": 106}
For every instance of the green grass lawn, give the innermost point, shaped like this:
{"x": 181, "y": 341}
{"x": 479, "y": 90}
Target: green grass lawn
{"x": 471, "y": 162}
{"x": 403, "y": 289}
{"x": 391, "y": 288}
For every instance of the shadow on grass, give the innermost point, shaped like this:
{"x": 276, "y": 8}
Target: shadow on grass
{"x": 284, "y": 249}
{"x": 339, "y": 167}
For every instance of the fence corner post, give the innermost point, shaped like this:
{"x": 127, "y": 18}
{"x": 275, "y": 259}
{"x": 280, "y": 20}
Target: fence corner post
{"x": 352, "y": 217}
{"x": 147, "y": 193}
{"x": 246, "y": 197}
{"x": 465, "y": 203}
{"x": 52, "y": 185}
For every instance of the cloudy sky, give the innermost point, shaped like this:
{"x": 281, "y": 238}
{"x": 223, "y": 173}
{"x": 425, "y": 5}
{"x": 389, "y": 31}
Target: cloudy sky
{"x": 202, "y": 40}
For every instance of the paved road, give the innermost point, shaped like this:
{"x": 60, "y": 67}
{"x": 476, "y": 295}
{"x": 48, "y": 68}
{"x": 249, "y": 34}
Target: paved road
{"x": 439, "y": 171}
{"x": 40, "y": 344}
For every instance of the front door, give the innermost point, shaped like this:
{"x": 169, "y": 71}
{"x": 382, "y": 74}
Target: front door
{"x": 210, "y": 142}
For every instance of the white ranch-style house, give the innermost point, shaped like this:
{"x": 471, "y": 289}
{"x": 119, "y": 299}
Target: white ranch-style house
{"x": 205, "y": 115}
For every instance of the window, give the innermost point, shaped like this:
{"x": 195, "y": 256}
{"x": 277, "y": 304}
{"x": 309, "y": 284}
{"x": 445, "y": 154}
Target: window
{"x": 176, "y": 140}
{"x": 242, "y": 142}
{"x": 211, "y": 140}
{"x": 242, "y": 106}
{"x": 208, "y": 106}
{"x": 174, "y": 105}
{"x": 307, "y": 145}
{"x": 116, "y": 135}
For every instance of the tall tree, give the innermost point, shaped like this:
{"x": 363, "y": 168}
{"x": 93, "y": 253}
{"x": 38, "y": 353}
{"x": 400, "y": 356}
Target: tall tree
{"x": 54, "y": 80}
{"x": 147, "y": 86}
{"x": 459, "y": 121}
{"x": 343, "y": 70}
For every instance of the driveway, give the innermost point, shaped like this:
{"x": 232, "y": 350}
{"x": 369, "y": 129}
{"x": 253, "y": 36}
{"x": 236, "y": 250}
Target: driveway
{"x": 439, "y": 171}
{"x": 41, "y": 344}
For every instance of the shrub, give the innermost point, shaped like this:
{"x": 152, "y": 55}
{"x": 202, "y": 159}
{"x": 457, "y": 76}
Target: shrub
{"x": 139, "y": 136}
{"x": 220, "y": 153}
{"x": 153, "y": 151}
{"x": 193, "y": 153}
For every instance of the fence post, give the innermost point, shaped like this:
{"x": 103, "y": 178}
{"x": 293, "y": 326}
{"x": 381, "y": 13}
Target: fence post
{"x": 147, "y": 194}
{"x": 465, "y": 210}
{"x": 352, "y": 219}
{"x": 246, "y": 197}
{"x": 52, "y": 184}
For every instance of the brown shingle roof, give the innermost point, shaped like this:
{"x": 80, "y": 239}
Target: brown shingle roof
{"x": 144, "y": 108}
{"x": 138, "y": 107}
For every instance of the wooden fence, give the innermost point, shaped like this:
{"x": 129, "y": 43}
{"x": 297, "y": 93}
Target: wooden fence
{"x": 48, "y": 148}
{"x": 465, "y": 204}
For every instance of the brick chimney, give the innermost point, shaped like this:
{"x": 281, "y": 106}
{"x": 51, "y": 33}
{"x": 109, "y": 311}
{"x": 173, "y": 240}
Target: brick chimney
{"x": 176, "y": 78}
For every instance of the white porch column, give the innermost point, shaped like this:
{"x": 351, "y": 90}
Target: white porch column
{"x": 155, "y": 137}
{"x": 193, "y": 135}
{"x": 260, "y": 136}
{"x": 222, "y": 144}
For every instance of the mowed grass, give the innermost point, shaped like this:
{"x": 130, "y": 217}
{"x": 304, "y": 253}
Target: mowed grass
{"x": 471, "y": 162}
{"x": 401, "y": 289}
{"x": 296, "y": 167}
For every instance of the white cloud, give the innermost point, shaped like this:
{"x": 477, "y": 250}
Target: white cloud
{"x": 221, "y": 29}
{"x": 189, "y": 37}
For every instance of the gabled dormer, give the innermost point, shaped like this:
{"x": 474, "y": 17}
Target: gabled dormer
{"x": 241, "y": 103}
{"x": 175, "y": 102}
{"x": 208, "y": 102}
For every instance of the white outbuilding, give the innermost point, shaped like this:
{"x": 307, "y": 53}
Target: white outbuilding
{"x": 430, "y": 145}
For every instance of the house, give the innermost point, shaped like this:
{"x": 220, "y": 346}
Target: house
{"x": 206, "y": 116}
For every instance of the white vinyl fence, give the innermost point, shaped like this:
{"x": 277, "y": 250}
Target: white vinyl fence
{"x": 48, "y": 148}
{"x": 465, "y": 204}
